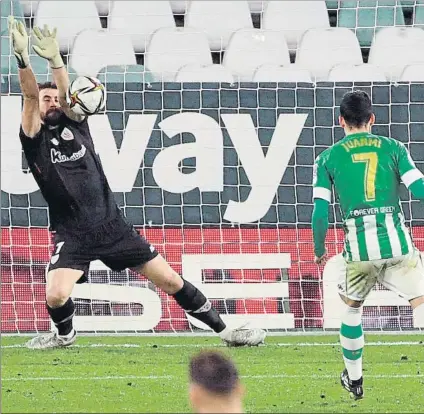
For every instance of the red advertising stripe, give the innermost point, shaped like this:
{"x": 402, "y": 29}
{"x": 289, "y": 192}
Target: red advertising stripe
{"x": 26, "y": 252}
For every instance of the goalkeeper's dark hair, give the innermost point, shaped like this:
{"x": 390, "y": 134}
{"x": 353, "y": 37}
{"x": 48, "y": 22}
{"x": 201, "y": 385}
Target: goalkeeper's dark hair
{"x": 356, "y": 109}
{"x": 214, "y": 372}
{"x": 47, "y": 85}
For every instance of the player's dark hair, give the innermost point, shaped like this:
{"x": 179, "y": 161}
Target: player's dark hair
{"x": 214, "y": 372}
{"x": 356, "y": 109}
{"x": 47, "y": 85}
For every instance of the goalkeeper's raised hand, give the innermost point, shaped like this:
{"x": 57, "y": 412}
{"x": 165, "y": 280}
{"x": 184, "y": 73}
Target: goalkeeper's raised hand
{"x": 46, "y": 46}
{"x": 19, "y": 38}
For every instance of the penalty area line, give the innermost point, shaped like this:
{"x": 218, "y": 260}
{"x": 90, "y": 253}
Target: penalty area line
{"x": 173, "y": 377}
{"x": 275, "y": 345}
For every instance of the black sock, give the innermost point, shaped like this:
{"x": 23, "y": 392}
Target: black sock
{"x": 62, "y": 317}
{"x": 194, "y": 302}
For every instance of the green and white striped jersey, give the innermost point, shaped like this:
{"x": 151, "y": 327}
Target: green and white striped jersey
{"x": 366, "y": 171}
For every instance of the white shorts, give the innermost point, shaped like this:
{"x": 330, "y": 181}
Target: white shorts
{"x": 402, "y": 275}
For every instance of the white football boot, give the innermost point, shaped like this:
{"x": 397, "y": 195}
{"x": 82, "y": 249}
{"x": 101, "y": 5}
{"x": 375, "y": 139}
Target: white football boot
{"x": 50, "y": 340}
{"x": 245, "y": 337}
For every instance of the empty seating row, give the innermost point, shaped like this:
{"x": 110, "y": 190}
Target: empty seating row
{"x": 320, "y": 49}
{"x": 267, "y": 73}
{"x": 218, "y": 19}
{"x": 292, "y": 73}
{"x": 179, "y": 7}
{"x": 172, "y": 49}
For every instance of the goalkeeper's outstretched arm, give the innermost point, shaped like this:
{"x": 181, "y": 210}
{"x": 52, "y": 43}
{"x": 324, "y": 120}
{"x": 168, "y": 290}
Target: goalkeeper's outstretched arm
{"x": 31, "y": 123}
{"x": 46, "y": 46}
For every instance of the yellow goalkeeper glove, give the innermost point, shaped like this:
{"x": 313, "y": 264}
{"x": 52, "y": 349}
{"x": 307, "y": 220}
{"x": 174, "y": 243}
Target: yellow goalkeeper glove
{"x": 19, "y": 38}
{"x": 46, "y": 46}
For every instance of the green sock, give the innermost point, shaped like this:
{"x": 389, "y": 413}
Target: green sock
{"x": 352, "y": 342}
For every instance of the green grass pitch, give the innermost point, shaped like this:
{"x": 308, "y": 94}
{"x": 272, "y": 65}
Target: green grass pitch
{"x": 149, "y": 374}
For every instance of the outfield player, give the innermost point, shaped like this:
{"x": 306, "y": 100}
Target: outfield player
{"x": 214, "y": 384}
{"x": 87, "y": 222}
{"x": 366, "y": 171}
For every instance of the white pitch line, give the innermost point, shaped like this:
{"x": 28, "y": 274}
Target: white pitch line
{"x": 277, "y": 344}
{"x": 171, "y": 377}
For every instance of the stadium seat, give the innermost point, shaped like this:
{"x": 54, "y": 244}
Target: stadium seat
{"x": 70, "y": 17}
{"x": 179, "y": 6}
{"x": 10, "y": 8}
{"x": 103, "y": 7}
{"x": 124, "y": 74}
{"x": 413, "y": 73}
{"x": 170, "y": 49}
{"x": 418, "y": 19}
{"x": 96, "y": 49}
{"x": 395, "y": 47}
{"x": 332, "y": 4}
{"x": 364, "y": 72}
{"x": 219, "y": 19}
{"x": 320, "y": 49}
{"x": 139, "y": 19}
{"x": 276, "y": 73}
{"x": 294, "y": 18}
{"x": 201, "y": 73}
{"x": 249, "y": 49}
{"x": 29, "y": 7}
{"x": 257, "y": 6}
{"x": 366, "y": 17}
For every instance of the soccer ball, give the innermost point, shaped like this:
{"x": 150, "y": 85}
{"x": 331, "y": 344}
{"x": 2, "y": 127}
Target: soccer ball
{"x": 86, "y": 95}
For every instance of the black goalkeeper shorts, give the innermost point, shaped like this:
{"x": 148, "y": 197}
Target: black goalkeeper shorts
{"x": 117, "y": 244}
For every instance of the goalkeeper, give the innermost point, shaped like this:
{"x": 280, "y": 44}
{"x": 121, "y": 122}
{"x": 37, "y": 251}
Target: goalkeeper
{"x": 87, "y": 222}
{"x": 365, "y": 171}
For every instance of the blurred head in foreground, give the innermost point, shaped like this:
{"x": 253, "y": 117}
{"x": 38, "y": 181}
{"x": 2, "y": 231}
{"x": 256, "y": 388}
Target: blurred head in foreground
{"x": 214, "y": 384}
{"x": 356, "y": 113}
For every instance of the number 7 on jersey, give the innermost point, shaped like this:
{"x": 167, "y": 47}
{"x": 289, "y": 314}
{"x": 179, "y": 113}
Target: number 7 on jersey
{"x": 371, "y": 160}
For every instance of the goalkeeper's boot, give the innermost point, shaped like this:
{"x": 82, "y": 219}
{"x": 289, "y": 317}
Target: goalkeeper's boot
{"x": 51, "y": 340}
{"x": 242, "y": 337}
{"x": 354, "y": 388}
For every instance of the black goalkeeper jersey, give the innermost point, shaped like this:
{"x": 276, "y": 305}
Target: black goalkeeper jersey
{"x": 67, "y": 169}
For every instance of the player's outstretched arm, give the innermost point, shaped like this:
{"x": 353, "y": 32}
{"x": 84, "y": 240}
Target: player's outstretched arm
{"x": 320, "y": 228}
{"x": 31, "y": 123}
{"x": 322, "y": 198}
{"x": 417, "y": 189}
{"x": 46, "y": 46}
{"x": 410, "y": 175}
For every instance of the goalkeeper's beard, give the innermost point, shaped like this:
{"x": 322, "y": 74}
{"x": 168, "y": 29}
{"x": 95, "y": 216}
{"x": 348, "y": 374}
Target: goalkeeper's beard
{"x": 53, "y": 117}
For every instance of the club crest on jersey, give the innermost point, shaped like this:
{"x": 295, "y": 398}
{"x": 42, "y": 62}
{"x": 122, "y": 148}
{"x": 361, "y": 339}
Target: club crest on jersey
{"x": 67, "y": 134}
